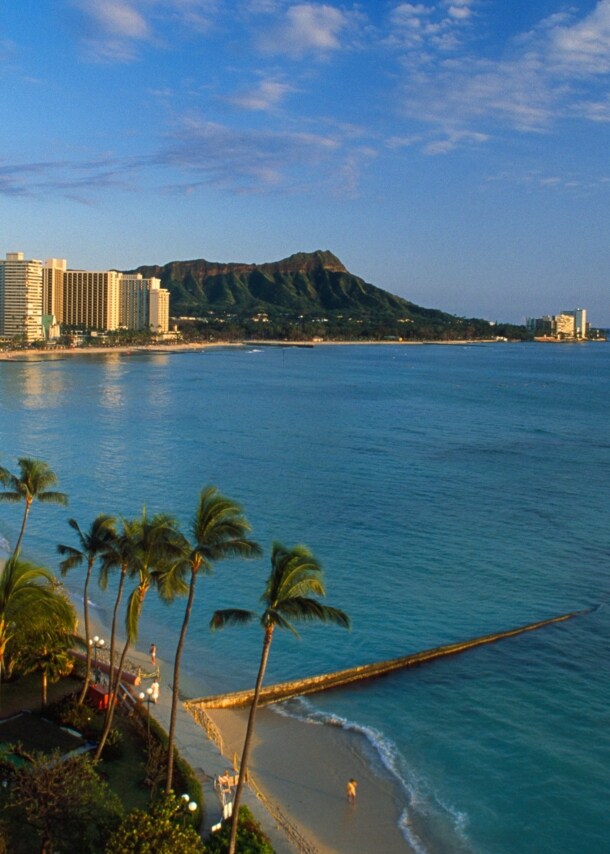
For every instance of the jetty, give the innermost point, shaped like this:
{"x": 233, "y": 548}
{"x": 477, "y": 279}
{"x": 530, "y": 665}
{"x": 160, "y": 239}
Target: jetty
{"x": 339, "y": 678}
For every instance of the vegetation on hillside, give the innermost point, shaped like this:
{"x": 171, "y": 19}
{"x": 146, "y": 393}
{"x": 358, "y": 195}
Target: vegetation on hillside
{"x": 304, "y": 296}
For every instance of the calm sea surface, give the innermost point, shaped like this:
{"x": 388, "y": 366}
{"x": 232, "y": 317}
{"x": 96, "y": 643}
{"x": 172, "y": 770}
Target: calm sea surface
{"x": 449, "y": 491}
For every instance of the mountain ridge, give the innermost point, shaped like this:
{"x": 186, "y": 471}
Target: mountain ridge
{"x": 307, "y": 294}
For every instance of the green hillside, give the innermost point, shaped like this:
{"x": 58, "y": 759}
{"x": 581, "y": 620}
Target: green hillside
{"x": 310, "y": 288}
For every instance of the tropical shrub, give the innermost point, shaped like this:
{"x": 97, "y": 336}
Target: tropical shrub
{"x": 250, "y": 837}
{"x": 65, "y": 804}
{"x": 113, "y": 748}
{"x": 163, "y": 829}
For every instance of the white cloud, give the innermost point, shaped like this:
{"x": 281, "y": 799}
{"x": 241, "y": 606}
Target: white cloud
{"x": 584, "y": 47}
{"x": 547, "y": 74}
{"x": 115, "y": 30}
{"x": 306, "y": 28}
{"x": 268, "y": 95}
{"x": 255, "y": 161}
{"x": 119, "y": 18}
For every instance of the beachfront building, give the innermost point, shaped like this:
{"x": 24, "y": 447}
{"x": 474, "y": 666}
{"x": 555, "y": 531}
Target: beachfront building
{"x": 53, "y": 274}
{"x": 21, "y": 298}
{"x": 569, "y": 324}
{"x": 579, "y": 316}
{"x": 144, "y": 304}
{"x": 158, "y": 319}
{"x": 36, "y": 300}
{"x": 91, "y": 300}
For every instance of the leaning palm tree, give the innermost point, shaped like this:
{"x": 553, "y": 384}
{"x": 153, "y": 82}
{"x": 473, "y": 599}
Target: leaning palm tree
{"x": 295, "y": 577}
{"x": 32, "y": 483}
{"x": 155, "y": 544}
{"x": 119, "y": 554}
{"x": 218, "y": 531}
{"x": 92, "y": 544}
{"x": 28, "y": 594}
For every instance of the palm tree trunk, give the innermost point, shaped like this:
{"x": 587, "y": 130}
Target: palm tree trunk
{"x": 26, "y": 512}
{"x": 243, "y": 768}
{"x": 112, "y": 701}
{"x": 87, "y": 680}
{"x": 112, "y": 645}
{"x": 176, "y": 682}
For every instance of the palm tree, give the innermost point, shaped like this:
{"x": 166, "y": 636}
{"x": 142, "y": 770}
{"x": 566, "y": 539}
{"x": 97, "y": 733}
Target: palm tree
{"x": 218, "y": 531}
{"x": 92, "y": 544}
{"x": 119, "y": 553}
{"x": 45, "y": 646}
{"x": 295, "y": 576}
{"x": 32, "y": 483}
{"x": 28, "y": 595}
{"x": 154, "y": 545}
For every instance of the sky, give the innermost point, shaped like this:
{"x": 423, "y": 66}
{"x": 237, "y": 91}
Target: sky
{"x": 454, "y": 152}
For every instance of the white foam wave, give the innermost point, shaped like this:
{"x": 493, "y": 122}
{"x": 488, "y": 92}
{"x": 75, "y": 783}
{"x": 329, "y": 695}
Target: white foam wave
{"x": 385, "y": 749}
{"x": 420, "y": 799}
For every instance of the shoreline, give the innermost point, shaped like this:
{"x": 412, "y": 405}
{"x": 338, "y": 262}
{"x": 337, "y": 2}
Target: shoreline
{"x": 299, "y": 770}
{"x": 302, "y": 768}
{"x": 163, "y": 349}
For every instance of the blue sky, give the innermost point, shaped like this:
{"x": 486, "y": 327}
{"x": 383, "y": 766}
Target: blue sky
{"x": 454, "y": 152}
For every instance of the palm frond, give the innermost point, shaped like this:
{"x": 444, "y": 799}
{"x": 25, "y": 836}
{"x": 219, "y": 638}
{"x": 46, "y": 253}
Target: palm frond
{"x": 52, "y": 498}
{"x": 230, "y": 617}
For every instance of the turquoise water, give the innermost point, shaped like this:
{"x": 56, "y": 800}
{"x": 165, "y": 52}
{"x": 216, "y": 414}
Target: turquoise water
{"x": 449, "y": 491}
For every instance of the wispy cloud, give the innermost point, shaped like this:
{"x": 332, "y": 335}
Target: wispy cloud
{"x": 76, "y": 180}
{"x": 115, "y": 30}
{"x": 255, "y": 161}
{"x": 541, "y": 77}
{"x": 306, "y": 28}
{"x": 266, "y": 95}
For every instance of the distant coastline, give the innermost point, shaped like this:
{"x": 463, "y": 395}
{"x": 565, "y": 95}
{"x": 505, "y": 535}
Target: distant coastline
{"x": 129, "y": 350}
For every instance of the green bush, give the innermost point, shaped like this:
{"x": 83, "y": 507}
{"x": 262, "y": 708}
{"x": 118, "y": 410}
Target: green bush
{"x": 113, "y": 748}
{"x": 67, "y": 712}
{"x": 163, "y": 829}
{"x": 250, "y": 837}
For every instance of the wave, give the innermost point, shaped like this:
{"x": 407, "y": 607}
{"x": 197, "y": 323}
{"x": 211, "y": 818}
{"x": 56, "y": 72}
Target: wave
{"x": 4, "y": 545}
{"x": 422, "y": 802}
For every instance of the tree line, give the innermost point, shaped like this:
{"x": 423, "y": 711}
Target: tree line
{"x": 146, "y": 552}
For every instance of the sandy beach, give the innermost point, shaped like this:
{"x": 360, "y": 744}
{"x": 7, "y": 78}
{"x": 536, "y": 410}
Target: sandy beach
{"x": 303, "y": 769}
{"x": 126, "y": 350}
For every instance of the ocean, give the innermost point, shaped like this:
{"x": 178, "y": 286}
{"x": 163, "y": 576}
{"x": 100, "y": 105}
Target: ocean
{"x": 449, "y": 491}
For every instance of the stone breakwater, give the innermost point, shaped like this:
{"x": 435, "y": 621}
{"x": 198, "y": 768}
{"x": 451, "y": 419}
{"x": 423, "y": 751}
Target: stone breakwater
{"x": 315, "y": 684}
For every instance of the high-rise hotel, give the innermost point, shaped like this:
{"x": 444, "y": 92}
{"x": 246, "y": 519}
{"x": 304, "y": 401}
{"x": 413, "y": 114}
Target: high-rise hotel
{"x": 20, "y": 297}
{"x": 34, "y": 296}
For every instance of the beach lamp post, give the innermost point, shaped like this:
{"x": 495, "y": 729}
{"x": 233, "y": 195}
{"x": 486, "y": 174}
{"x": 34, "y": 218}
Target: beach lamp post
{"x": 189, "y": 807}
{"x": 96, "y": 643}
{"x": 147, "y": 696}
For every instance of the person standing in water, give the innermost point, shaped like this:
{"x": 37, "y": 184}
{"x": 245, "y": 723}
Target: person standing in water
{"x": 153, "y": 654}
{"x": 350, "y": 790}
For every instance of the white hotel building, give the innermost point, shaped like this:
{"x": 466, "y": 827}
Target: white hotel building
{"x": 102, "y": 301}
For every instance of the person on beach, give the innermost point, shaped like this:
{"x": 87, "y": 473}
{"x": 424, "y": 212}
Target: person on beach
{"x": 153, "y": 654}
{"x": 154, "y": 694}
{"x": 350, "y": 790}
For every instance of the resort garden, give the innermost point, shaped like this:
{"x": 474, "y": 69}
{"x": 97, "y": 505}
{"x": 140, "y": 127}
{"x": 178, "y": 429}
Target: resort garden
{"x": 84, "y": 771}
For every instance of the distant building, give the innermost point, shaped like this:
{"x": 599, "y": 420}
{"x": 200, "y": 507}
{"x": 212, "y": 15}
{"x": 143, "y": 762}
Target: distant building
{"x": 144, "y": 304}
{"x": 569, "y": 324}
{"x": 21, "y": 298}
{"x": 579, "y": 316}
